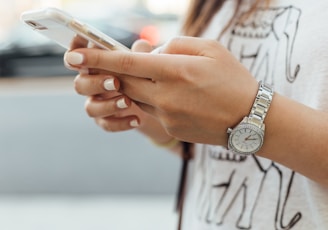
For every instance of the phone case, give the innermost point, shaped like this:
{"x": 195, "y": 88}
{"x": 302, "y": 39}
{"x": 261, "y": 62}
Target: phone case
{"x": 62, "y": 28}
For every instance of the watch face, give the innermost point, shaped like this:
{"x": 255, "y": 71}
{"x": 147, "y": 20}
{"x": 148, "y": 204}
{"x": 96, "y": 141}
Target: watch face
{"x": 246, "y": 139}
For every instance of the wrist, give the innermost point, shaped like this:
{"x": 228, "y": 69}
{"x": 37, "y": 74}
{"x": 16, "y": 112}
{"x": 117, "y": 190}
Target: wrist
{"x": 248, "y": 136}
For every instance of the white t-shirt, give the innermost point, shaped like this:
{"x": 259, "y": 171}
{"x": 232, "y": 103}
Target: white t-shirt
{"x": 286, "y": 45}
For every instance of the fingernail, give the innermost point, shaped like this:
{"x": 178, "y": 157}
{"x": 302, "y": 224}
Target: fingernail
{"x": 134, "y": 123}
{"x": 74, "y": 58}
{"x": 109, "y": 84}
{"x": 121, "y": 103}
{"x": 158, "y": 50}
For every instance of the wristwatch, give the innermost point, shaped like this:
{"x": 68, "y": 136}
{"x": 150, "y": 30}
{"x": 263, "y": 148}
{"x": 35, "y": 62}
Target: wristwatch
{"x": 248, "y": 136}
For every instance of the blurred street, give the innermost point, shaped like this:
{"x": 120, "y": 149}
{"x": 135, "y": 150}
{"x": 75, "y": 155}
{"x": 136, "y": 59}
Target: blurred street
{"x": 58, "y": 169}
{"x": 85, "y": 213}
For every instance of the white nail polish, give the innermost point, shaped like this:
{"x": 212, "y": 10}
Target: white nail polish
{"x": 134, "y": 123}
{"x": 109, "y": 84}
{"x": 74, "y": 58}
{"x": 121, "y": 103}
{"x": 157, "y": 50}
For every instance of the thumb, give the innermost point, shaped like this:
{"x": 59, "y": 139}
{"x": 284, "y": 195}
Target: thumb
{"x": 190, "y": 46}
{"x": 141, "y": 46}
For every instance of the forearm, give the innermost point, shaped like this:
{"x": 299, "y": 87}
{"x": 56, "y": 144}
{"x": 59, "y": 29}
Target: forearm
{"x": 297, "y": 137}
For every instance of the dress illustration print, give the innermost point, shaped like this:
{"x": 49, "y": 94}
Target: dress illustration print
{"x": 263, "y": 42}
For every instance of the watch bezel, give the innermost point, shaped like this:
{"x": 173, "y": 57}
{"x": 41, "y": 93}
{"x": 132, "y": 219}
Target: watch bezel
{"x": 254, "y": 128}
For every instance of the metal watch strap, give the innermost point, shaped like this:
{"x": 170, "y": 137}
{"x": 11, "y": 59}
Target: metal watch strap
{"x": 261, "y": 104}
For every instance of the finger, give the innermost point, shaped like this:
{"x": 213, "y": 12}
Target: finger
{"x": 114, "y": 124}
{"x": 141, "y": 46}
{"x": 79, "y": 42}
{"x": 147, "y": 108}
{"x": 144, "y": 65}
{"x": 139, "y": 89}
{"x": 89, "y": 85}
{"x": 191, "y": 46}
{"x": 91, "y": 71}
{"x": 103, "y": 108}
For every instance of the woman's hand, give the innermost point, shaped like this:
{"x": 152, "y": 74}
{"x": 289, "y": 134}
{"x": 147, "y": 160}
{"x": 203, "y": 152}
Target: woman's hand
{"x": 112, "y": 110}
{"x": 194, "y": 87}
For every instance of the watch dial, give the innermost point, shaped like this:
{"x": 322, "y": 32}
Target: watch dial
{"x": 246, "y": 140}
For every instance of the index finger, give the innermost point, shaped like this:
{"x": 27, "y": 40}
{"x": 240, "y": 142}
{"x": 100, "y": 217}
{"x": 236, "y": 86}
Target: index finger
{"x": 145, "y": 65}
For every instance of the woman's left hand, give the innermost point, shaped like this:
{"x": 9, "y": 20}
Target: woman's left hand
{"x": 194, "y": 86}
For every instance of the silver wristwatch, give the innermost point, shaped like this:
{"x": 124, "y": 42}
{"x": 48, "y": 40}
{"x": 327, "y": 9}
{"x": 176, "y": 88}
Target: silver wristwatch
{"x": 248, "y": 136}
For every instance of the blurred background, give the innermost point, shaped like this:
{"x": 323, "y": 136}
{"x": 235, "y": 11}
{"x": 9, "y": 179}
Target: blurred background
{"x": 58, "y": 170}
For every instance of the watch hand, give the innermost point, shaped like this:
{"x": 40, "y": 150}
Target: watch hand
{"x": 250, "y": 139}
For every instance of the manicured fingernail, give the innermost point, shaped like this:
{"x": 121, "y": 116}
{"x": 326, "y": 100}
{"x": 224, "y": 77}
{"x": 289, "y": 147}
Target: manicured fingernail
{"x": 74, "y": 58}
{"x": 158, "y": 50}
{"x": 121, "y": 103}
{"x": 134, "y": 123}
{"x": 109, "y": 84}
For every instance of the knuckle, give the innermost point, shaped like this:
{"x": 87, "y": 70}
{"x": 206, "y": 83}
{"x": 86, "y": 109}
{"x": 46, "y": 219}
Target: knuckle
{"x": 174, "y": 74}
{"x": 113, "y": 127}
{"x": 96, "y": 59}
{"x": 126, "y": 62}
{"x": 94, "y": 85}
{"x": 87, "y": 86}
{"x": 106, "y": 125}
{"x": 88, "y": 108}
{"x": 212, "y": 44}
{"x": 173, "y": 44}
{"x": 178, "y": 40}
{"x": 181, "y": 73}
{"x": 77, "y": 85}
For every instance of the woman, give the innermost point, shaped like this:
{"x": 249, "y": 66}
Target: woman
{"x": 198, "y": 90}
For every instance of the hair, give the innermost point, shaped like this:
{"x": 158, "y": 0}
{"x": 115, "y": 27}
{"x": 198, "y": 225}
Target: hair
{"x": 200, "y": 13}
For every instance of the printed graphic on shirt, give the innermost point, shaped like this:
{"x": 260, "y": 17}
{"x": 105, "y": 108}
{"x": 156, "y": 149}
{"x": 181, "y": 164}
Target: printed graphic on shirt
{"x": 243, "y": 186}
{"x": 269, "y": 29}
{"x": 257, "y": 41}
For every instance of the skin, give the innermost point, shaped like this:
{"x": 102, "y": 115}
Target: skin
{"x": 194, "y": 90}
{"x": 101, "y": 104}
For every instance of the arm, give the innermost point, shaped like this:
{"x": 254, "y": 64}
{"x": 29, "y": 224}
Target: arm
{"x": 297, "y": 137}
{"x": 197, "y": 90}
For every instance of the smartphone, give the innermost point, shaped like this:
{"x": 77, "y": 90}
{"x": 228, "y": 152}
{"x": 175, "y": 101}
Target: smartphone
{"x": 62, "y": 28}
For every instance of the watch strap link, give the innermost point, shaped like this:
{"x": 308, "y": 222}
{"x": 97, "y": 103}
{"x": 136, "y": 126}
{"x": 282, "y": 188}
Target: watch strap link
{"x": 261, "y": 104}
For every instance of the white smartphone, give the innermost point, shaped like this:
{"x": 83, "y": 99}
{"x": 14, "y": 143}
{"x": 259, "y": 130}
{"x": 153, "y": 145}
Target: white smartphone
{"x": 62, "y": 28}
